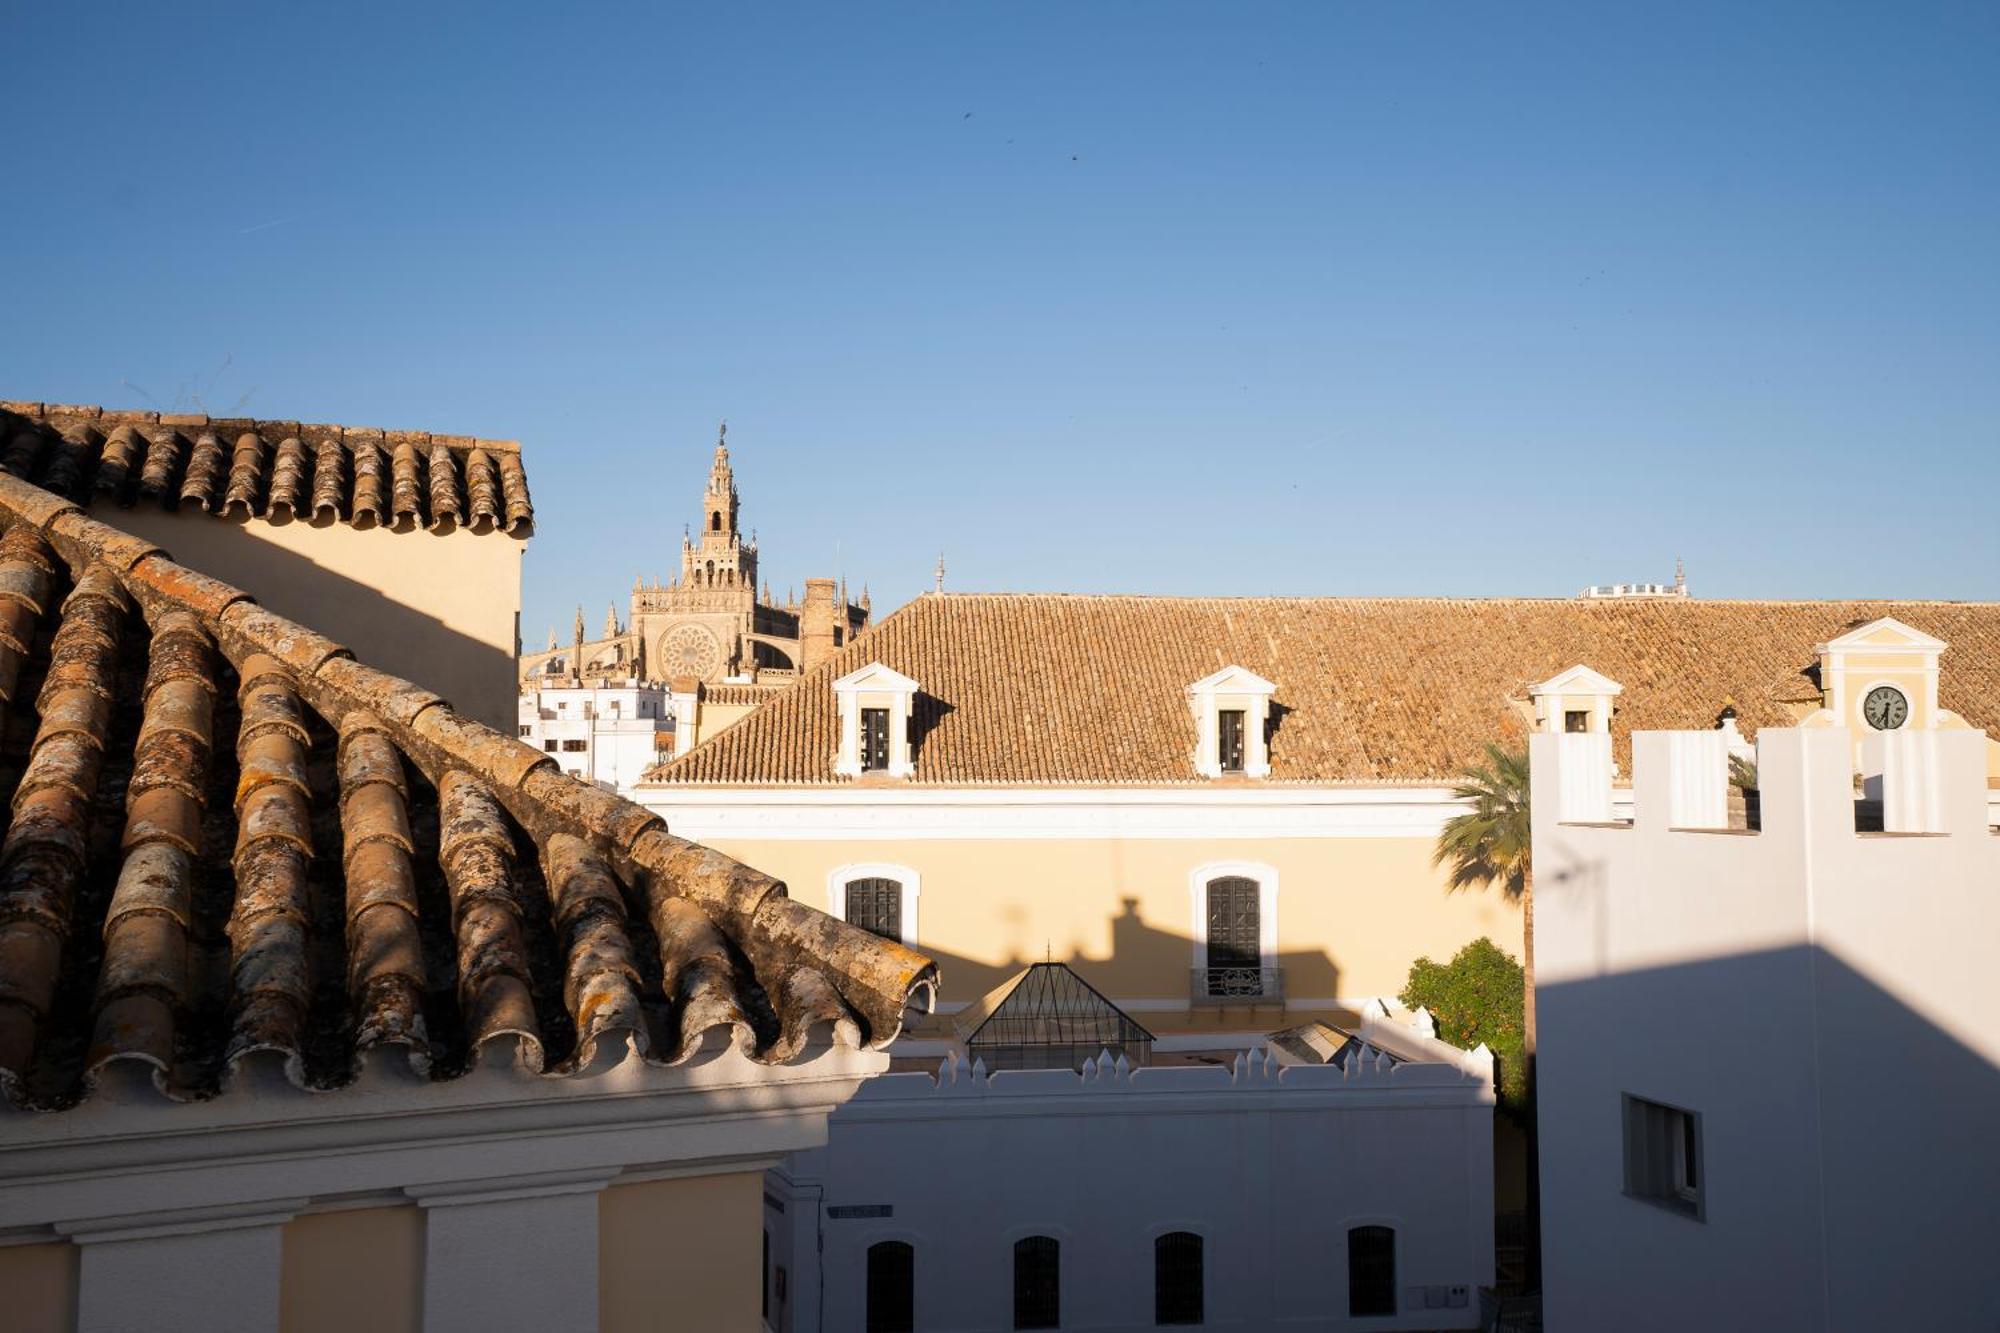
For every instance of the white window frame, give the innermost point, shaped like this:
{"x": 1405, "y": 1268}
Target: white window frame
{"x": 1266, "y": 877}
{"x": 1237, "y": 689}
{"x": 840, "y": 877}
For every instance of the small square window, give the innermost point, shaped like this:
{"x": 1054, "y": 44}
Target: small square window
{"x": 1229, "y": 739}
{"x": 550, "y": 746}
{"x": 527, "y": 730}
{"x": 1663, "y": 1156}
{"x": 1576, "y": 720}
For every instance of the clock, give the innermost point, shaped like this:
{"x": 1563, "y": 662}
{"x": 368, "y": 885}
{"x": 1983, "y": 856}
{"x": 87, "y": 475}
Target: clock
{"x": 1885, "y": 708}
{"x": 690, "y": 650}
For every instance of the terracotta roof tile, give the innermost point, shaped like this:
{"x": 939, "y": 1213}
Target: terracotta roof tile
{"x": 1046, "y": 688}
{"x": 230, "y": 843}
{"x": 273, "y": 469}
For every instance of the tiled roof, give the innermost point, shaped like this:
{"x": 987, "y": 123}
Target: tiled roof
{"x": 1042, "y": 688}
{"x": 272, "y": 469}
{"x": 232, "y": 844}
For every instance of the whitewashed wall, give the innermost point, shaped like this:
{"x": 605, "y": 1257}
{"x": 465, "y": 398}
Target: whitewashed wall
{"x": 1823, "y": 999}
{"x": 1270, "y": 1165}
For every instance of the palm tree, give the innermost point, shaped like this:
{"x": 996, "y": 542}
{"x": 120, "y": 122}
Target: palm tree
{"x": 1491, "y": 843}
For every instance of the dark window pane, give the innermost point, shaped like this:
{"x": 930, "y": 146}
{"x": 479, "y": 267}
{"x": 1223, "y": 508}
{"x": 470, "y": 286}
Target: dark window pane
{"x": 1234, "y": 931}
{"x": 876, "y": 905}
{"x": 1371, "y": 1271}
{"x": 1177, "y": 1278}
{"x": 892, "y": 1282}
{"x": 1037, "y": 1282}
{"x": 874, "y": 740}
{"x": 1576, "y": 719}
{"x": 1229, "y": 739}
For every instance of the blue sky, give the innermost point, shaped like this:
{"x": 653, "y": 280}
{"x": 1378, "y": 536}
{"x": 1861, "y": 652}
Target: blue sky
{"x": 1320, "y": 298}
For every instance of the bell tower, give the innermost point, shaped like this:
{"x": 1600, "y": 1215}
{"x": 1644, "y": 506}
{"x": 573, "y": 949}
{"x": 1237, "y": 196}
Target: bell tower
{"x": 720, "y": 558}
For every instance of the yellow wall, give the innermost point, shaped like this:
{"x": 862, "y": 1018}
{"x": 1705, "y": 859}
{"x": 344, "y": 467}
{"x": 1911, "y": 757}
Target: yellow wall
{"x": 714, "y": 717}
{"x": 38, "y": 1287}
{"x": 436, "y": 608}
{"x": 359, "y": 1269}
{"x": 681, "y": 1254}
{"x": 1353, "y": 913}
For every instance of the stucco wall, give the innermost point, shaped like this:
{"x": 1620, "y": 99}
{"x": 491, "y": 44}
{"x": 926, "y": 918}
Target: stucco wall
{"x": 1352, "y": 913}
{"x": 38, "y": 1287}
{"x": 680, "y": 1254}
{"x": 358, "y": 1269}
{"x": 437, "y": 608}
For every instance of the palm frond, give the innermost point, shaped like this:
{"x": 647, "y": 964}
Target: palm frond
{"x": 1490, "y": 842}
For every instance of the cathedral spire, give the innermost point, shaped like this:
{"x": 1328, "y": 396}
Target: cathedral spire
{"x": 611, "y": 620}
{"x": 579, "y": 622}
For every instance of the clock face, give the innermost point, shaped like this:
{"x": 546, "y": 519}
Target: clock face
{"x": 690, "y": 650}
{"x": 1885, "y": 708}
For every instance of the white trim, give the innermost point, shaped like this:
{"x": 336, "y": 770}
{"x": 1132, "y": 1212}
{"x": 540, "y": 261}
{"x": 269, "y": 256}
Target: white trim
{"x": 911, "y": 880}
{"x": 1266, "y": 877}
{"x": 861, "y": 814}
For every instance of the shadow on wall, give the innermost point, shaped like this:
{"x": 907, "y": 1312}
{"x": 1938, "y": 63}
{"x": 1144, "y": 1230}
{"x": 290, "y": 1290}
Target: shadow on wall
{"x": 477, "y": 677}
{"x": 1849, "y": 1167}
{"x": 1146, "y": 962}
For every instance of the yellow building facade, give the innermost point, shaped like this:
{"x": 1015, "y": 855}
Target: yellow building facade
{"x": 1222, "y": 812}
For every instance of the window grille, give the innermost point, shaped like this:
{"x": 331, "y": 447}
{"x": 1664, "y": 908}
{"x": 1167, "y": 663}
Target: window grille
{"x": 1037, "y": 1282}
{"x": 892, "y": 1283}
{"x": 874, "y": 740}
{"x": 1177, "y": 1278}
{"x": 576, "y": 747}
{"x": 1229, "y": 739}
{"x": 876, "y": 905}
{"x": 1235, "y": 937}
{"x": 1371, "y": 1271}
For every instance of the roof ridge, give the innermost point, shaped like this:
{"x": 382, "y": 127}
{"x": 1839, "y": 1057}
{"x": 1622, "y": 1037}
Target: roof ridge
{"x": 133, "y": 416}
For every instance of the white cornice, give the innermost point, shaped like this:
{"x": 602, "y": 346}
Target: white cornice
{"x": 874, "y": 813}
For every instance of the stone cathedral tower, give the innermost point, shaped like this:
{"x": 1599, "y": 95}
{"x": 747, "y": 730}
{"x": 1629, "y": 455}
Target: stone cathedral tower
{"x": 709, "y": 624}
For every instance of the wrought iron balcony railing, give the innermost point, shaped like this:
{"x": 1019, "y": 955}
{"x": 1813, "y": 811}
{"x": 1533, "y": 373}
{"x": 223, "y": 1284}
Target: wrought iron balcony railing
{"x": 1238, "y": 985}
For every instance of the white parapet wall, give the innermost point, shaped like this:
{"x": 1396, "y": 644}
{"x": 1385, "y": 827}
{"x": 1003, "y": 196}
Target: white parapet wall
{"x": 1271, "y": 1165}
{"x": 1807, "y": 1009}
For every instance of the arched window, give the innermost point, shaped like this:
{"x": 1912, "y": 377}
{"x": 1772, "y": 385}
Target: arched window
{"x": 1177, "y": 1278}
{"x": 892, "y": 1287}
{"x": 715, "y": 521}
{"x": 1371, "y": 1270}
{"x": 1235, "y": 922}
{"x": 1037, "y": 1282}
{"x": 876, "y": 905}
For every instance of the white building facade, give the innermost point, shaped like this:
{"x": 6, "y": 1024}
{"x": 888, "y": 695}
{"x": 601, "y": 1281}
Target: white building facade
{"x": 1254, "y": 1195}
{"x": 1768, "y": 1071}
{"x": 608, "y": 733}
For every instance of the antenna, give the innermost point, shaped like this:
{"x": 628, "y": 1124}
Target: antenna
{"x": 938, "y": 573}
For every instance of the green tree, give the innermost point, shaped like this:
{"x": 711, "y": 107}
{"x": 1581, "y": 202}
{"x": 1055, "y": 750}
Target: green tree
{"x": 1490, "y": 844}
{"x": 1477, "y": 997}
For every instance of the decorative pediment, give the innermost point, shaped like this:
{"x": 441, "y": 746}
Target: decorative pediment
{"x": 876, "y": 677}
{"x": 1578, "y": 680}
{"x": 1233, "y": 680}
{"x": 1888, "y": 635}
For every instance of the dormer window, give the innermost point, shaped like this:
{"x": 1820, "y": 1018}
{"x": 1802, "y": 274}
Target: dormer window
{"x": 1576, "y": 702}
{"x": 875, "y": 705}
{"x": 1232, "y": 711}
